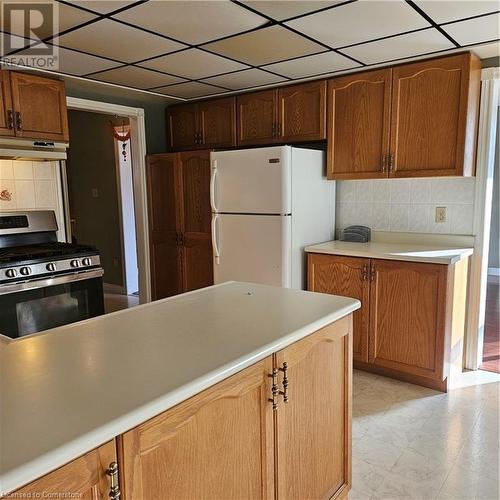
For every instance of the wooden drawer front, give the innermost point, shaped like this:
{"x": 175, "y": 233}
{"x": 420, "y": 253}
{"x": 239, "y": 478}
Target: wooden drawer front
{"x": 408, "y": 316}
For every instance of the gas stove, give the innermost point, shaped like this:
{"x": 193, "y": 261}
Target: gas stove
{"x": 44, "y": 283}
{"x": 34, "y": 252}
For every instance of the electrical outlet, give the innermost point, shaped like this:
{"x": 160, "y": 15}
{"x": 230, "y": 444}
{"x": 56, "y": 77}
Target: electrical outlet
{"x": 95, "y": 193}
{"x": 441, "y": 215}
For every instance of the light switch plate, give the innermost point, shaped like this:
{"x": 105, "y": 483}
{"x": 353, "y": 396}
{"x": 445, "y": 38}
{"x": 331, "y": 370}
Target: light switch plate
{"x": 441, "y": 215}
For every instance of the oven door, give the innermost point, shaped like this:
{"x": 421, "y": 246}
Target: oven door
{"x": 38, "y": 305}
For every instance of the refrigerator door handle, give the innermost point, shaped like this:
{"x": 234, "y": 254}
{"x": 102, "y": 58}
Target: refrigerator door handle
{"x": 213, "y": 174}
{"x": 215, "y": 244}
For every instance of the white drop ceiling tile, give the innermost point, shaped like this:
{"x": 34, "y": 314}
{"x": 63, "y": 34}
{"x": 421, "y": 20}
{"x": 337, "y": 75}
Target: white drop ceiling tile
{"x": 190, "y": 90}
{"x": 399, "y": 47}
{"x": 327, "y": 62}
{"x": 193, "y": 63}
{"x": 452, "y": 10}
{"x": 245, "y": 79}
{"x": 115, "y": 40}
{"x": 359, "y": 22}
{"x": 76, "y": 63}
{"x": 265, "y": 46}
{"x": 285, "y": 9}
{"x": 69, "y": 17}
{"x": 140, "y": 78}
{"x": 480, "y": 29}
{"x": 103, "y": 6}
{"x": 192, "y": 22}
{"x": 488, "y": 50}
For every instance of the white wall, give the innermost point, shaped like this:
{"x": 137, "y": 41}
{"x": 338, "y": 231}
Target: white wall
{"x": 407, "y": 205}
{"x": 32, "y": 185}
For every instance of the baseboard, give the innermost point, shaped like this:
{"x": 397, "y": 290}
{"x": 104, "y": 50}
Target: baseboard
{"x": 493, "y": 271}
{"x": 112, "y": 288}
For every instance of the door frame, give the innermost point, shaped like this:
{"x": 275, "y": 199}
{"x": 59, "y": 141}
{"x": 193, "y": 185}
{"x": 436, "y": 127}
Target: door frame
{"x": 138, "y": 147}
{"x": 490, "y": 100}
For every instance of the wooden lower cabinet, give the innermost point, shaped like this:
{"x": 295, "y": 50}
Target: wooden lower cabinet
{"x": 228, "y": 443}
{"x": 87, "y": 477}
{"x": 412, "y": 318}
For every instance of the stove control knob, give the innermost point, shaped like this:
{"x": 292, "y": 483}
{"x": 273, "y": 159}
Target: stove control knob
{"x": 25, "y": 271}
{"x": 75, "y": 263}
{"x": 51, "y": 266}
{"x": 87, "y": 261}
{"x": 11, "y": 273}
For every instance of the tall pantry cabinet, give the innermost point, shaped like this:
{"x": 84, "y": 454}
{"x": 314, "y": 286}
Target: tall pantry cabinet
{"x": 179, "y": 222}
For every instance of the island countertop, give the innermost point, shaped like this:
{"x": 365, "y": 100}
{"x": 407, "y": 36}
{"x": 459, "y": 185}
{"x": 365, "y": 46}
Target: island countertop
{"x": 72, "y": 388}
{"x": 433, "y": 254}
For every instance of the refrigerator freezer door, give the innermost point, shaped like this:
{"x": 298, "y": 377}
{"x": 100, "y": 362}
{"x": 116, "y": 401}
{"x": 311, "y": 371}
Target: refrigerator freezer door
{"x": 252, "y": 181}
{"x": 254, "y": 248}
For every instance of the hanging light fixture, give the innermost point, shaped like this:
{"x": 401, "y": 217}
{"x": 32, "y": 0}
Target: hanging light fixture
{"x": 122, "y": 137}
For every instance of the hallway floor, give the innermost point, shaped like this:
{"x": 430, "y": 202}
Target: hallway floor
{"x": 410, "y": 442}
{"x": 116, "y": 302}
{"x": 491, "y": 345}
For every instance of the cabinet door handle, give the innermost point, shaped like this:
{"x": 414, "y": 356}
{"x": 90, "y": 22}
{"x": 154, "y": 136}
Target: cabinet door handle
{"x": 364, "y": 273}
{"x": 391, "y": 162}
{"x": 274, "y": 129}
{"x": 383, "y": 168}
{"x": 19, "y": 123}
{"x": 278, "y": 133}
{"x": 114, "y": 488}
{"x": 284, "y": 392}
{"x": 372, "y": 273}
{"x": 274, "y": 389}
{"x": 10, "y": 119}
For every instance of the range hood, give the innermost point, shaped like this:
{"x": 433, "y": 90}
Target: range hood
{"x": 28, "y": 149}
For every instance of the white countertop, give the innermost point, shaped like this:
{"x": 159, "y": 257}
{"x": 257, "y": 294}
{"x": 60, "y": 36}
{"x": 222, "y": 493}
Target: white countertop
{"x": 394, "y": 251}
{"x": 68, "y": 390}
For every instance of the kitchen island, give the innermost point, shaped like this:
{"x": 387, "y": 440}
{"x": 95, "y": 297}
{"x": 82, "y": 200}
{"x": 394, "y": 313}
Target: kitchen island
{"x": 247, "y": 367}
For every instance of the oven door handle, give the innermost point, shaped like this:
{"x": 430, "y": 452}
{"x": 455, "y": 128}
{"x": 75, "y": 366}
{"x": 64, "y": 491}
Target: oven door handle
{"x": 53, "y": 281}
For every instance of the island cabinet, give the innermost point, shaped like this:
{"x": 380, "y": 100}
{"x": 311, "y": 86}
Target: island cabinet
{"x": 412, "y": 120}
{"x": 240, "y": 439}
{"x": 207, "y": 124}
{"x": 179, "y": 222}
{"x": 93, "y": 476}
{"x": 32, "y": 107}
{"x": 411, "y": 321}
{"x": 291, "y": 114}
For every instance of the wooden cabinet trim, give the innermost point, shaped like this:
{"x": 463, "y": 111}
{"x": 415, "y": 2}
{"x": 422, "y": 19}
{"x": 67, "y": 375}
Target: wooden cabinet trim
{"x": 6, "y": 105}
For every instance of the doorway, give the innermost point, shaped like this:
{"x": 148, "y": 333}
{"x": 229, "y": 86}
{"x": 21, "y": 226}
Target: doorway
{"x": 101, "y": 201}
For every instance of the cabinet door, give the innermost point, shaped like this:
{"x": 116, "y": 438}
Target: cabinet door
{"x": 313, "y": 458}
{"x": 358, "y": 117}
{"x": 197, "y": 262}
{"x": 182, "y": 125}
{"x": 347, "y": 276}
{"x": 164, "y": 227}
{"x": 407, "y": 317}
{"x": 302, "y": 112}
{"x": 39, "y": 107}
{"x": 84, "y": 478}
{"x": 257, "y": 117}
{"x": 216, "y": 445}
{"x": 433, "y": 117}
{"x": 6, "y": 112}
{"x": 218, "y": 122}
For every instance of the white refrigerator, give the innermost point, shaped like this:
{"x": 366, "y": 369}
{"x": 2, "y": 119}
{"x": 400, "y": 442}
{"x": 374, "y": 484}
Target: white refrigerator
{"x": 267, "y": 205}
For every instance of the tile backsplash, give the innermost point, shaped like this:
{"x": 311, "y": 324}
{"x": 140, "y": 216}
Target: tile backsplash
{"x": 407, "y": 205}
{"x": 31, "y": 185}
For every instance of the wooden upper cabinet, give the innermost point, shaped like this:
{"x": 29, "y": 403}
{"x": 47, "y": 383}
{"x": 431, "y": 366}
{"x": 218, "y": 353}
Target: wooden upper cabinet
{"x": 359, "y": 108}
{"x": 313, "y": 456}
{"x": 6, "y": 110}
{"x": 182, "y": 125}
{"x": 302, "y": 112}
{"x": 164, "y": 225}
{"x": 349, "y": 277}
{"x": 195, "y": 220}
{"x": 216, "y": 445}
{"x": 257, "y": 117}
{"x": 217, "y": 122}
{"x": 39, "y": 106}
{"x": 84, "y": 477}
{"x": 408, "y": 317}
{"x": 434, "y": 117}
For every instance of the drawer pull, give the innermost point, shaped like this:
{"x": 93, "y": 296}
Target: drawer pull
{"x": 284, "y": 392}
{"x": 274, "y": 389}
{"x": 114, "y": 488}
